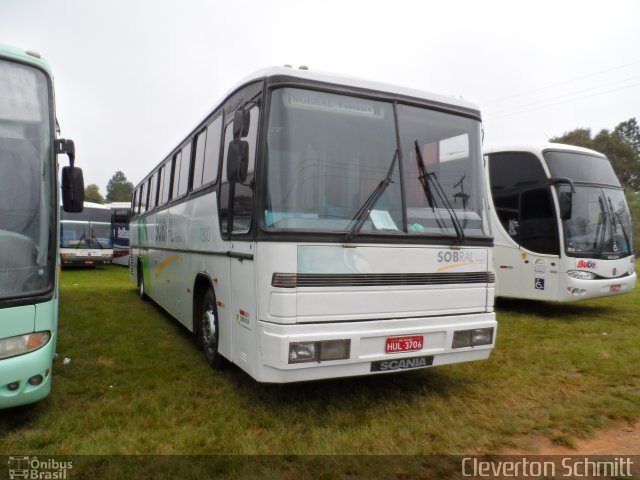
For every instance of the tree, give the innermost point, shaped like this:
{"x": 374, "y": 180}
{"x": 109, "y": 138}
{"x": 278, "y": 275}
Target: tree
{"x": 92, "y": 194}
{"x": 621, "y": 146}
{"x": 630, "y": 132}
{"x": 119, "y": 188}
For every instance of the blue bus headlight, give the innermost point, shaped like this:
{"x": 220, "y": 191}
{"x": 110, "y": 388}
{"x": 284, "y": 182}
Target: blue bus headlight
{"x": 14, "y": 346}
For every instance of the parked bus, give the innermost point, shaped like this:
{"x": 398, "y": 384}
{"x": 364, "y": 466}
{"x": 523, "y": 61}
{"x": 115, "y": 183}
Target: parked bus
{"x": 29, "y": 225}
{"x": 85, "y": 237}
{"x": 561, "y": 224}
{"x": 315, "y": 226}
{"x": 120, "y": 216}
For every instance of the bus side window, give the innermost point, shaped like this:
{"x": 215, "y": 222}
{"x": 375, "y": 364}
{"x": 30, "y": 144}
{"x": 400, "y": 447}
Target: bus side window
{"x": 142, "y": 206}
{"x": 212, "y": 151}
{"x": 161, "y": 193}
{"x": 166, "y": 181}
{"x": 198, "y": 162}
{"x": 175, "y": 174}
{"x": 243, "y": 195}
{"x": 152, "y": 192}
{"x": 134, "y": 203}
{"x": 184, "y": 170}
{"x": 510, "y": 174}
{"x": 538, "y": 224}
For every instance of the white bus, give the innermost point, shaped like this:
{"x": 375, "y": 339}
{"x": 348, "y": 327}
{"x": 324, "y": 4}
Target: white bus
{"x": 85, "y": 237}
{"x": 315, "y": 226}
{"x": 120, "y": 216}
{"x": 561, "y": 224}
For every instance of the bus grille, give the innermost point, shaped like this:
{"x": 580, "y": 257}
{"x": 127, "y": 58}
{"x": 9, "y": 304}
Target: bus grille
{"x": 293, "y": 280}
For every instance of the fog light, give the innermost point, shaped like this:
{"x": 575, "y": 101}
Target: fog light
{"x": 335, "y": 349}
{"x": 303, "y": 352}
{"x": 36, "y": 380}
{"x": 13, "y": 386}
{"x": 481, "y": 336}
{"x": 576, "y": 291}
{"x": 472, "y": 338}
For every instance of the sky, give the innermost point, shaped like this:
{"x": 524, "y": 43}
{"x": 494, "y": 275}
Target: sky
{"x": 133, "y": 77}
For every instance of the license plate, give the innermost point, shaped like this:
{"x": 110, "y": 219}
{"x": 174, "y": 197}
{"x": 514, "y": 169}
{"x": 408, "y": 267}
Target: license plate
{"x": 615, "y": 288}
{"x": 411, "y": 343}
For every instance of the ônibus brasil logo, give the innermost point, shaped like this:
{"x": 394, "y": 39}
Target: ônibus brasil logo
{"x": 33, "y": 468}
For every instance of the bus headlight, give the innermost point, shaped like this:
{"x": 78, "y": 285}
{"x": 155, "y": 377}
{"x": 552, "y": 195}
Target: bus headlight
{"x": 300, "y": 352}
{"x": 472, "y": 338}
{"x": 14, "y": 346}
{"x": 581, "y": 274}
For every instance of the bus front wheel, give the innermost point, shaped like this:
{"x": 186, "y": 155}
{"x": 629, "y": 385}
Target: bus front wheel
{"x": 208, "y": 330}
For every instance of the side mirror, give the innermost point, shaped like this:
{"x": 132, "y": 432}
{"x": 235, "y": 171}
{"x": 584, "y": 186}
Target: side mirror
{"x": 565, "y": 200}
{"x": 237, "y": 161}
{"x": 241, "y": 121}
{"x": 72, "y": 189}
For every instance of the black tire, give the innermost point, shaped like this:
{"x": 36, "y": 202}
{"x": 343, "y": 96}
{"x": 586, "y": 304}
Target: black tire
{"x": 207, "y": 331}
{"x": 141, "y": 290}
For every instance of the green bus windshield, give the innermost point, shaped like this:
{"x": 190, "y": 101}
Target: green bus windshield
{"x": 26, "y": 257}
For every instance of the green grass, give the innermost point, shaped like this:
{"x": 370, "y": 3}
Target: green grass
{"x": 136, "y": 385}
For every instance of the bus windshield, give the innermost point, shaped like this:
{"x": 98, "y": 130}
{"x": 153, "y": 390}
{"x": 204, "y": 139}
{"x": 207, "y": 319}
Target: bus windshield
{"x": 332, "y": 158}
{"x": 89, "y": 229}
{"x": 600, "y": 224}
{"x": 26, "y": 228}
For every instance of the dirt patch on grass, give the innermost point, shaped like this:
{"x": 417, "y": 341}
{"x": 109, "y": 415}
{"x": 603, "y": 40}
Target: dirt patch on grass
{"x": 623, "y": 439}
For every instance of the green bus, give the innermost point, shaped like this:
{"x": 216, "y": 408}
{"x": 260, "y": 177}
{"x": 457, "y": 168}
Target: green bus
{"x": 29, "y": 224}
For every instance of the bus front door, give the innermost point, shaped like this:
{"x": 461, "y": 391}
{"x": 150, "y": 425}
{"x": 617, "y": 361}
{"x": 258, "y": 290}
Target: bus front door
{"x": 243, "y": 305}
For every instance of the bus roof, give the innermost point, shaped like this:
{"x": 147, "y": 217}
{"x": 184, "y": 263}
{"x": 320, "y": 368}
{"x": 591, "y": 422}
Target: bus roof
{"x": 24, "y": 56}
{"x": 345, "y": 80}
{"x": 542, "y": 147}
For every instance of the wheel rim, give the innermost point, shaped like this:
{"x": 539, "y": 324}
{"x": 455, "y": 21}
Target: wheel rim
{"x": 141, "y": 284}
{"x": 209, "y": 334}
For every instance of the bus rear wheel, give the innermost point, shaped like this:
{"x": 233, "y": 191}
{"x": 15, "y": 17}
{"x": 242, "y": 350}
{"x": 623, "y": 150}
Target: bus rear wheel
{"x": 208, "y": 331}
{"x": 141, "y": 290}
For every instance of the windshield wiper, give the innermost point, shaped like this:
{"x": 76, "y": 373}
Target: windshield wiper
{"x": 619, "y": 218}
{"x": 363, "y": 213}
{"x": 425, "y": 177}
{"x": 600, "y": 228}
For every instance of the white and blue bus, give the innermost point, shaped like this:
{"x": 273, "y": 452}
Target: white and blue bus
{"x": 120, "y": 216}
{"x": 85, "y": 237}
{"x": 29, "y": 221}
{"x": 561, "y": 224}
{"x": 315, "y": 226}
